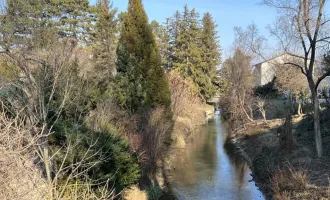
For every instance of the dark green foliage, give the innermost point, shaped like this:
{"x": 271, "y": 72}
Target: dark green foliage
{"x": 139, "y": 63}
{"x": 154, "y": 192}
{"x": 71, "y": 18}
{"x": 109, "y": 153}
{"x": 193, "y": 49}
{"x": 127, "y": 89}
{"x": 105, "y": 40}
{"x": 76, "y": 19}
{"x": 211, "y": 56}
{"x": 268, "y": 90}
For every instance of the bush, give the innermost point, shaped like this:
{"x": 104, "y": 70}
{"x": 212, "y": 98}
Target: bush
{"x": 156, "y": 128}
{"x": 154, "y": 192}
{"x": 107, "y": 155}
{"x": 269, "y": 90}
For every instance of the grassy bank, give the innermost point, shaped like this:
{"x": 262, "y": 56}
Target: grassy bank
{"x": 282, "y": 173}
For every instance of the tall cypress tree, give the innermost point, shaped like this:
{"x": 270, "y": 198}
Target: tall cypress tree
{"x": 138, "y": 41}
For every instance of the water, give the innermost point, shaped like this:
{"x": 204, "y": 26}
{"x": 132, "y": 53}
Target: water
{"x": 211, "y": 168}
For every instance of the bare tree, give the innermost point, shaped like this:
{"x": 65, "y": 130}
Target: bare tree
{"x": 251, "y": 42}
{"x": 302, "y": 28}
{"x": 184, "y": 97}
{"x": 44, "y": 79}
{"x": 236, "y": 72}
{"x": 290, "y": 80}
{"x": 261, "y": 103}
{"x": 156, "y": 129}
{"x": 302, "y": 32}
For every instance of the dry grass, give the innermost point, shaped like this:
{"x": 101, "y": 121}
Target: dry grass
{"x": 294, "y": 173}
{"x": 134, "y": 193}
{"x": 295, "y": 184}
{"x": 22, "y": 174}
{"x": 20, "y": 178}
{"x": 289, "y": 180}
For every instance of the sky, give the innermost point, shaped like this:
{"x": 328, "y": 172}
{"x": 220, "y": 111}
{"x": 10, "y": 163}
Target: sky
{"x": 226, "y": 13}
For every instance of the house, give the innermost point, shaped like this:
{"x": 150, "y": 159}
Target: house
{"x": 264, "y": 72}
{"x": 324, "y": 88}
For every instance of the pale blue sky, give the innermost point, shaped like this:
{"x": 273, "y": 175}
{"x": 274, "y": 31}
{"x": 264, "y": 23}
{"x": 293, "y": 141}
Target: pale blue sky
{"x": 227, "y": 14}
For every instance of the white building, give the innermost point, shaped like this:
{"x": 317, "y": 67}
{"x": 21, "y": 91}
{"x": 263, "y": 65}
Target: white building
{"x": 324, "y": 87}
{"x": 264, "y": 72}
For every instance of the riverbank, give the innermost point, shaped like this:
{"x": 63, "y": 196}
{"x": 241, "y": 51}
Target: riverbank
{"x": 184, "y": 126}
{"x": 294, "y": 173}
{"x": 190, "y": 119}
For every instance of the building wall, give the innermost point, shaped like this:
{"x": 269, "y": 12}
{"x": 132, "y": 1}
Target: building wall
{"x": 325, "y": 84}
{"x": 267, "y": 73}
{"x": 267, "y": 68}
{"x": 257, "y": 75}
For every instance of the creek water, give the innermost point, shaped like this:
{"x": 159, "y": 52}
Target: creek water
{"x": 211, "y": 168}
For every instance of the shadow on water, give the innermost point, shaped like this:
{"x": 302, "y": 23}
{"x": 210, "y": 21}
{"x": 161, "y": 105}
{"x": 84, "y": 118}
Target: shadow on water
{"x": 211, "y": 168}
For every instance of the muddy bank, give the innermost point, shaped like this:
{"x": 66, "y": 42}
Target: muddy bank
{"x": 281, "y": 173}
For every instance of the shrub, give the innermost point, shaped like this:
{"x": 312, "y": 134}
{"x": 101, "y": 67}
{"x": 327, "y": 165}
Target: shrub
{"x": 156, "y": 127}
{"x": 286, "y": 183}
{"x": 268, "y": 90}
{"x": 154, "y": 192}
{"x": 107, "y": 155}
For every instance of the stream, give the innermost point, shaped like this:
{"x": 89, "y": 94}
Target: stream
{"x": 210, "y": 168}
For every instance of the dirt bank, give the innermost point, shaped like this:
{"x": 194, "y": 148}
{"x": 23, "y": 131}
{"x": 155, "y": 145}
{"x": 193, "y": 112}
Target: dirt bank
{"x": 183, "y": 128}
{"x": 184, "y": 125}
{"x": 294, "y": 173}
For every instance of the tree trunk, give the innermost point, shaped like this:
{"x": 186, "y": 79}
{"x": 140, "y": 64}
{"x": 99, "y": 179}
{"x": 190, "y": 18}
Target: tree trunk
{"x": 299, "y": 112}
{"x": 287, "y": 138}
{"x": 247, "y": 115}
{"x": 317, "y": 129}
{"x": 251, "y": 112}
{"x": 263, "y": 113}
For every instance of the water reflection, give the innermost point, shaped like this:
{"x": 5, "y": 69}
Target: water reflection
{"x": 210, "y": 168}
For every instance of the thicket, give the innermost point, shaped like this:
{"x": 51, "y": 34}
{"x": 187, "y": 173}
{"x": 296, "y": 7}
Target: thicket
{"x": 237, "y": 89}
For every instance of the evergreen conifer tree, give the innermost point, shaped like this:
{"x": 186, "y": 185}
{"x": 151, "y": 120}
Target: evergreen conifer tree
{"x": 105, "y": 39}
{"x": 211, "y": 55}
{"x": 194, "y": 50}
{"x": 138, "y": 40}
{"x": 75, "y": 19}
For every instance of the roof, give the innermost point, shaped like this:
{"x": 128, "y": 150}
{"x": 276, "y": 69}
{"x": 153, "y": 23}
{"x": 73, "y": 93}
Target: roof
{"x": 272, "y": 58}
